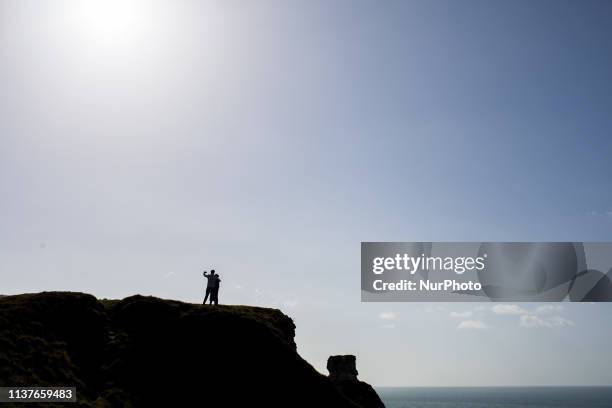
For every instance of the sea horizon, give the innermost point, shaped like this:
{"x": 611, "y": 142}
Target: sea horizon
{"x": 497, "y": 396}
{"x": 491, "y": 386}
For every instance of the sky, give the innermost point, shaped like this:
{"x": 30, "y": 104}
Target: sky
{"x": 142, "y": 142}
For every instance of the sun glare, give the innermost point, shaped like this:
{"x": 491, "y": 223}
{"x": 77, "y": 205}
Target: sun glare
{"x": 112, "y": 24}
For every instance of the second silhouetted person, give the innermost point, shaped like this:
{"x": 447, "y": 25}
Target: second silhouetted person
{"x": 212, "y": 287}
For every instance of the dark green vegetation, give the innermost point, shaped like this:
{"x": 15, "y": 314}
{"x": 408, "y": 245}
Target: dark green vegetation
{"x": 149, "y": 352}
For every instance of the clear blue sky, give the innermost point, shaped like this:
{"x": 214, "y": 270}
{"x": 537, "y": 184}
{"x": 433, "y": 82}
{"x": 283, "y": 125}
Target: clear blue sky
{"x": 144, "y": 141}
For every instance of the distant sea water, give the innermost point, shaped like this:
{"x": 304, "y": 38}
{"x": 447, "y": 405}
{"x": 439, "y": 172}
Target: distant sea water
{"x": 497, "y": 397}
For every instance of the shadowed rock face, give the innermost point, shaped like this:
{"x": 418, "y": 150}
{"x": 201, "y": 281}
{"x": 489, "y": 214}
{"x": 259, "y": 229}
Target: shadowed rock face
{"x": 343, "y": 373}
{"x": 342, "y": 368}
{"x": 149, "y": 352}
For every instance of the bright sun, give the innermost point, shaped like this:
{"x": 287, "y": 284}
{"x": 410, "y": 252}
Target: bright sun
{"x": 112, "y": 24}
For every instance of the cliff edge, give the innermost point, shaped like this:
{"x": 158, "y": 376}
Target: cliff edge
{"x": 144, "y": 352}
{"x": 343, "y": 373}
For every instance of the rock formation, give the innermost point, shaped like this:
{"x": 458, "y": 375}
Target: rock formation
{"x": 342, "y": 368}
{"x": 343, "y": 373}
{"x": 148, "y": 352}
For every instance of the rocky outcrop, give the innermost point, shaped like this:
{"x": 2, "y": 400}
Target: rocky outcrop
{"x": 342, "y": 368}
{"x": 343, "y": 373}
{"x": 149, "y": 352}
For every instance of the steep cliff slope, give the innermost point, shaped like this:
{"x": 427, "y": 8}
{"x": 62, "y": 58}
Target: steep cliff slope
{"x": 149, "y": 352}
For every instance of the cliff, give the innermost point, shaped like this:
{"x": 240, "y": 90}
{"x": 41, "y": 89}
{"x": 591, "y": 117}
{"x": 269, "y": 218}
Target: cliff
{"x": 343, "y": 374}
{"x": 149, "y": 352}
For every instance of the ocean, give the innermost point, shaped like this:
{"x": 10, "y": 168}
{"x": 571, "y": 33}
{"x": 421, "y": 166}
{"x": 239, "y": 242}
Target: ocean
{"x": 497, "y": 397}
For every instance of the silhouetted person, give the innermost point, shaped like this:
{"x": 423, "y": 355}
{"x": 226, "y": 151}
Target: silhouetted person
{"x": 211, "y": 277}
{"x": 214, "y": 296}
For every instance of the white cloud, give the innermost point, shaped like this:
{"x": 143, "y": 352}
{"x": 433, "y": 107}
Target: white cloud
{"x": 530, "y": 321}
{"x": 508, "y": 310}
{"x": 472, "y": 325}
{"x": 558, "y": 321}
{"x": 389, "y": 326}
{"x": 538, "y": 317}
{"x": 461, "y": 315}
{"x": 545, "y": 309}
{"x": 605, "y": 214}
{"x": 387, "y": 316}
